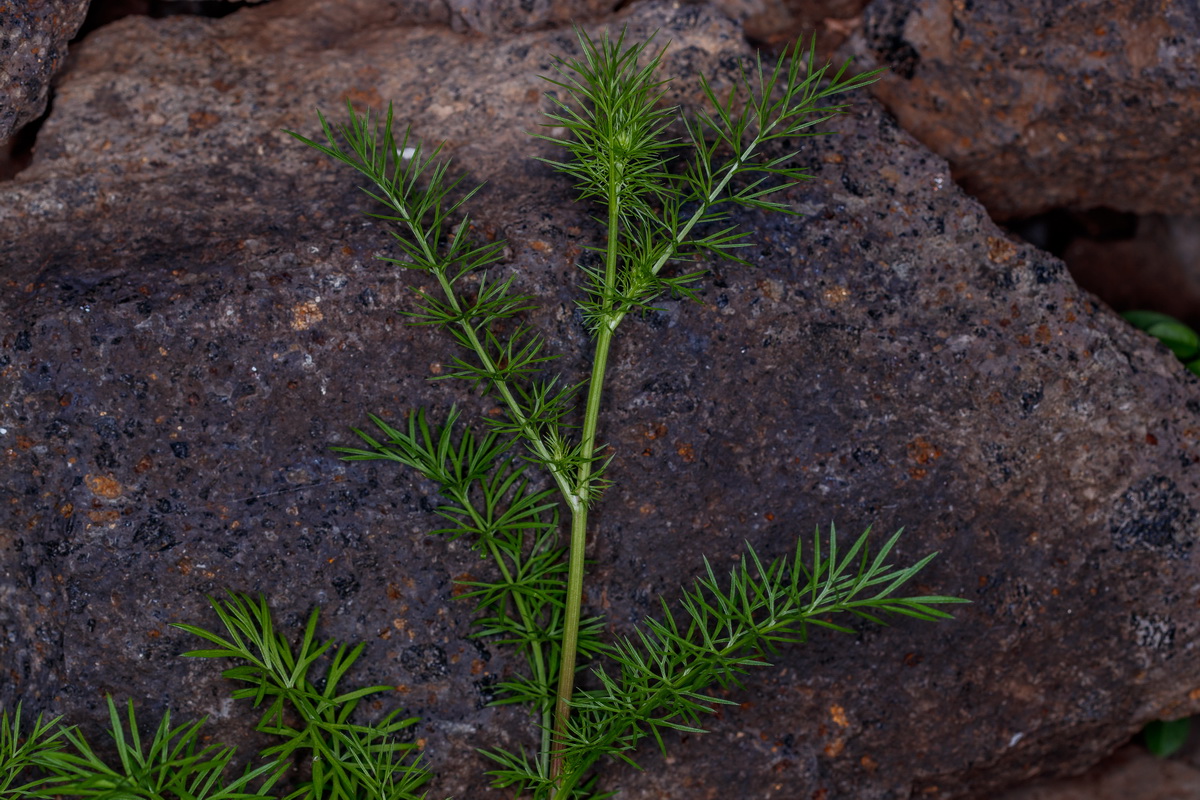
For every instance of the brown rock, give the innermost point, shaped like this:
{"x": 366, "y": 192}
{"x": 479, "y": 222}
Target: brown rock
{"x": 777, "y": 23}
{"x": 33, "y": 46}
{"x": 1131, "y": 774}
{"x": 1046, "y": 104}
{"x": 193, "y": 314}
{"x": 1156, "y": 267}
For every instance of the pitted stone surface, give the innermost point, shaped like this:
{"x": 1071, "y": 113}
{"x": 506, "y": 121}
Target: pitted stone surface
{"x": 193, "y": 314}
{"x": 1044, "y": 104}
{"x": 33, "y": 47}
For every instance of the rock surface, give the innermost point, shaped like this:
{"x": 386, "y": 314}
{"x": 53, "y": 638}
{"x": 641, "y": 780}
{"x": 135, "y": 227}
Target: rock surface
{"x": 491, "y": 16}
{"x": 1131, "y": 774}
{"x": 1046, "y": 104}
{"x": 773, "y": 24}
{"x": 33, "y": 46}
{"x": 1163, "y": 252}
{"x": 34, "y": 36}
{"x": 192, "y": 314}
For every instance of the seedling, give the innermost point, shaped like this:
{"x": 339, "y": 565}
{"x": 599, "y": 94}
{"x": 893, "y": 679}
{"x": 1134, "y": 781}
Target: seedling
{"x": 665, "y": 186}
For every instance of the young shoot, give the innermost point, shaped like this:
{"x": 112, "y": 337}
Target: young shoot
{"x": 666, "y": 188}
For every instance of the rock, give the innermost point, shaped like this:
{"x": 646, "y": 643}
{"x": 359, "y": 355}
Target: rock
{"x": 1046, "y": 104}
{"x": 1131, "y": 774}
{"x": 1162, "y": 254}
{"x": 193, "y": 314}
{"x": 479, "y": 16}
{"x": 33, "y": 46}
{"x": 33, "y": 39}
{"x": 489, "y": 16}
{"x": 774, "y": 24}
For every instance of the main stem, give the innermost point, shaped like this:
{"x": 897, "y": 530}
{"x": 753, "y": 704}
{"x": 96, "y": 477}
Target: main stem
{"x": 578, "y": 498}
{"x": 579, "y": 510}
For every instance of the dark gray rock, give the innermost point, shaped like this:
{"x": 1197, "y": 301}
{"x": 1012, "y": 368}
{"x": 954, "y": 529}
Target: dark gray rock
{"x": 33, "y": 47}
{"x": 193, "y": 314}
{"x": 1044, "y": 104}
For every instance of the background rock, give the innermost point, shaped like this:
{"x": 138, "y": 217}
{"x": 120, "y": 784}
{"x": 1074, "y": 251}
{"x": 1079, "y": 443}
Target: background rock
{"x": 1045, "y": 104}
{"x": 773, "y": 24}
{"x": 1131, "y": 774}
{"x": 34, "y": 37}
{"x": 1163, "y": 252}
{"x": 33, "y": 45}
{"x": 193, "y": 314}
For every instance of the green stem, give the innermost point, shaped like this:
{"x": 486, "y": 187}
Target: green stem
{"x": 712, "y": 199}
{"x": 528, "y": 431}
{"x": 606, "y": 328}
{"x": 579, "y": 516}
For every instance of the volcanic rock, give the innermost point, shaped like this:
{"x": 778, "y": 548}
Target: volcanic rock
{"x": 193, "y": 314}
{"x": 1044, "y": 104}
{"x": 33, "y": 47}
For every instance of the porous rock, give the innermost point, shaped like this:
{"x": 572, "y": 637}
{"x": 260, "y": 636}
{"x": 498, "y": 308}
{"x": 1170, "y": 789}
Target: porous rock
{"x": 193, "y": 314}
{"x": 1044, "y": 104}
{"x": 479, "y": 16}
{"x": 775, "y": 24}
{"x": 490, "y": 16}
{"x": 33, "y": 47}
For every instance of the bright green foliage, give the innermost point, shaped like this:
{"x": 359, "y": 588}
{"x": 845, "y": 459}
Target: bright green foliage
{"x": 22, "y": 758}
{"x": 172, "y": 764}
{"x": 1165, "y": 738}
{"x": 348, "y": 760}
{"x": 345, "y": 760}
{"x": 664, "y": 676}
{"x": 666, "y": 185}
{"x": 1182, "y": 340}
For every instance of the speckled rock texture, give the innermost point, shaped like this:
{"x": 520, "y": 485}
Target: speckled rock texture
{"x": 483, "y": 16}
{"x": 34, "y": 36}
{"x": 773, "y": 24}
{"x": 192, "y": 314}
{"x": 487, "y": 16}
{"x": 1045, "y": 104}
{"x": 33, "y": 46}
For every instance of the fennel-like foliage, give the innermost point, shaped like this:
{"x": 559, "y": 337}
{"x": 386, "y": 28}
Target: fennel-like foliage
{"x": 318, "y": 749}
{"x": 664, "y": 202}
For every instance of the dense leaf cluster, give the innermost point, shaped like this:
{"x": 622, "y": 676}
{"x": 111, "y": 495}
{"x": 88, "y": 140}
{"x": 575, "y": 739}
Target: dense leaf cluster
{"x": 666, "y": 185}
{"x": 304, "y": 710}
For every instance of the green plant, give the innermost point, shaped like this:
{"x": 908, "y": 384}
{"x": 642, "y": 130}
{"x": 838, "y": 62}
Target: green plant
{"x": 665, "y": 195}
{"x": 1164, "y": 738}
{"x": 21, "y": 757}
{"x": 307, "y": 713}
{"x": 1179, "y": 338}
